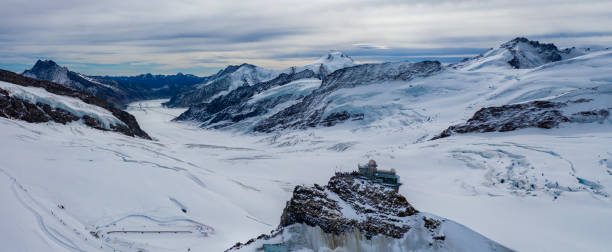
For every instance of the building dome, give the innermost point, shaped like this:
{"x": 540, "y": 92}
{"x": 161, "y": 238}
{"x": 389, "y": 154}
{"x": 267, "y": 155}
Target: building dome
{"x": 372, "y": 163}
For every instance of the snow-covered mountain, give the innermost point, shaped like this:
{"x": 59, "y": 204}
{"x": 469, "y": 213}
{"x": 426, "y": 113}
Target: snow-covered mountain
{"x": 323, "y": 108}
{"x": 50, "y": 71}
{"x": 355, "y": 214}
{"x": 520, "y": 53}
{"x": 247, "y": 102}
{"x": 233, "y": 77}
{"x": 384, "y": 94}
{"x": 388, "y": 94}
{"x": 329, "y": 63}
{"x": 38, "y": 101}
{"x": 118, "y": 90}
{"x": 221, "y": 83}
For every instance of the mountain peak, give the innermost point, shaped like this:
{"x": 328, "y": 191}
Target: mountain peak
{"x": 331, "y": 62}
{"x": 519, "y": 53}
{"x": 47, "y": 70}
{"x": 532, "y": 43}
{"x": 335, "y": 55}
{"x": 43, "y": 64}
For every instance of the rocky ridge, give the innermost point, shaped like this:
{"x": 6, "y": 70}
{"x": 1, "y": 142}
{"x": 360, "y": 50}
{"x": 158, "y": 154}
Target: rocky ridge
{"x": 519, "y": 53}
{"x": 222, "y": 82}
{"x": 535, "y": 114}
{"x": 354, "y": 214}
{"x": 16, "y": 108}
{"x": 234, "y": 106}
{"x": 312, "y": 110}
{"x": 117, "y": 90}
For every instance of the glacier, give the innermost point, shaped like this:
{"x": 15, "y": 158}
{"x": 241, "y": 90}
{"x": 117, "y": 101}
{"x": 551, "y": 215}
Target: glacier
{"x": 74, "y": 188}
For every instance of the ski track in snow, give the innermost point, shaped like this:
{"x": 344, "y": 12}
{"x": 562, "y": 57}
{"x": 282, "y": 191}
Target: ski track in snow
{"x": 22, "y": 195}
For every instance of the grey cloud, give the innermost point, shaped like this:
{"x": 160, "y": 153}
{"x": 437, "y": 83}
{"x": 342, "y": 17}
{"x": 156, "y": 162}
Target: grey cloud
{"x": 186, "y": 34}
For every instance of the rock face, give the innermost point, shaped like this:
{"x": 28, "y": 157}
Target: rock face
{"x": 16, "y": 108}
{"x": 540, "y": 114}
{"x": 529, "y": 54}
{"x": 355, "y": 214}
{"x": 224, "y": 81}
{"x": 312, "y": 110}
{"x": 535, "y": 114}
{"x": 236, "y": 106}
{"x": 379, "y": 207}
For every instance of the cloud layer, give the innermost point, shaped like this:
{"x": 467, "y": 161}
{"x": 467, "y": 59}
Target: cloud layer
{"x": 199, "y": 37}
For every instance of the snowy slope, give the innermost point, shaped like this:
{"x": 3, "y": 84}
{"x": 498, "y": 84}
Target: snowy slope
{"x": 520, "y": 53}
{"x": 237, "y": 185}
{"x": 376, "y": 95}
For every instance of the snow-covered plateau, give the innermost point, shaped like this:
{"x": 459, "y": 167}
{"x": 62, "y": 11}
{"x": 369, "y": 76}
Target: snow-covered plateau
{"x": 74, "y": 188}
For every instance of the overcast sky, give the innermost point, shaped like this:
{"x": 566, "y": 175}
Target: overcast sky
{"x": 119, "y": 37}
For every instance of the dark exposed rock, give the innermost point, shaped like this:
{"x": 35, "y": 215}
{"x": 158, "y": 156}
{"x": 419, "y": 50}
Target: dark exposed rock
{"x": 37, "y": 113}
{"x": 548, "y": 52}
{"x": 15, "y": 108}
{"x": 338, "y": 117}
{"x": 590, "y": 116}
{"x": 380, "y": 205}
{"x": 539, "y": 114}
{"x": 535, "y": 114}
{"x": 351, "y": 213}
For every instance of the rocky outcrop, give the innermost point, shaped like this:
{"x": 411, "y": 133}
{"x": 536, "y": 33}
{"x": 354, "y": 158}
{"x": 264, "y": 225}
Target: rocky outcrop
{"x": 235, "y": 106}
{"x": 354, "y": 214}
{"x": 312, "y": 110}
{"x": 380, "y": 207}
{"x": 20, "y": 109}
{"x": 521, "y": 48}
{"x": 15, "y": 108}
{"x": 535, "y": 114}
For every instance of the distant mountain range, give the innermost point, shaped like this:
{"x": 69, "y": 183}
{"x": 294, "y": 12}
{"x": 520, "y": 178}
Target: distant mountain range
{"x": 117, "y": 90}
{"x": 336, "y": 90}
{"x": 329, "y": 91}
